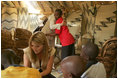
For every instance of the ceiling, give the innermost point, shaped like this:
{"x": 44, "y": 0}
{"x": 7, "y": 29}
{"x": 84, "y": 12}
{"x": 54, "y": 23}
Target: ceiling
{"x": 48, "y": 7}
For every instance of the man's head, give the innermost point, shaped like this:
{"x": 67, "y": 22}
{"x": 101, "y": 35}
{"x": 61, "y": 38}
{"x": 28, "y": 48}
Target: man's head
{"x": 58, "y": 13}
{"x": 90, "y": 51}
{"x": 73, "y": 66}
{"x": 9, "y": 57}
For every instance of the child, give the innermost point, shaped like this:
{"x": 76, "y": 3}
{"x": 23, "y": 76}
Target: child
{"x": 66, "y": 39}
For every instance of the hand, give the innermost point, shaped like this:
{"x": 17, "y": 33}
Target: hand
{"x": 64, "y": 23}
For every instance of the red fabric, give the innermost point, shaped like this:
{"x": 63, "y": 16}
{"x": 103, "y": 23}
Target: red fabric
{"x": 64, "y": 35}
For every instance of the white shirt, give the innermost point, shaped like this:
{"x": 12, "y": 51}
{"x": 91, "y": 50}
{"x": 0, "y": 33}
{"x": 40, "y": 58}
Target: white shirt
{"x": 52, "y": 23}
{"x": 95, "y": 71}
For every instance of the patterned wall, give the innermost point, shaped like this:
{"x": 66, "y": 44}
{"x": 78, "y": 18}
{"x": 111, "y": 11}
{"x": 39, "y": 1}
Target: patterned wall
{"x": 23, "y": 18}
{"x": 34, "y": 21}
{"x": 87, "y": 18}
{"x": 9, "y": 18}
{"x": 105, "y": 23}
{"x": 28, "y": 21}
{"x": 19, "y": 18}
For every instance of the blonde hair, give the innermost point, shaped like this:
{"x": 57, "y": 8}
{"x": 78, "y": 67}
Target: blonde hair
{"x": 39, "y": 38}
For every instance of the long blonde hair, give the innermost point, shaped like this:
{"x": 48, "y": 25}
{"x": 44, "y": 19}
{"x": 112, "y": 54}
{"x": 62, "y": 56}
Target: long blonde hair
{"x": 39, "y": 38}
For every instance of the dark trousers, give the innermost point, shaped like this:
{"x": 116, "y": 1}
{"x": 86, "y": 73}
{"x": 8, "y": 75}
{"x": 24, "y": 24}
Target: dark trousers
{"x": 67, "y": 51}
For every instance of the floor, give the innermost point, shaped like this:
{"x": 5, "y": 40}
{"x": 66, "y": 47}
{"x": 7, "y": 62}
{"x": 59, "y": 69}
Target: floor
{"x": 57, "y": 72}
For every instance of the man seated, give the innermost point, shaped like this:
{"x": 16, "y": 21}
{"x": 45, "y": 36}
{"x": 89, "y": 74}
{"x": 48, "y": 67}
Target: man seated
{"x": 73, "y": 66}
{"x": 94, "y": 69}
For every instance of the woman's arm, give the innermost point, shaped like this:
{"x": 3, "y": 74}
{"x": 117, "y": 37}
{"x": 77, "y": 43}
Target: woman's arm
{"x": 26, "y": 61}
{"x": 49, "y": 67}
{"x": 55, "y": 26}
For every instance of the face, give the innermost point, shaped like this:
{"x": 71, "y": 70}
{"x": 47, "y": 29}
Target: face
{"x": 57, "y": 15}
{"x": 37, "y": 48}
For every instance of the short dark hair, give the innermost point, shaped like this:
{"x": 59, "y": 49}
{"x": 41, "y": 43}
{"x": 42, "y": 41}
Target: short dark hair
{"x": 59, "y": 10}
{"x": 91, "y": 50}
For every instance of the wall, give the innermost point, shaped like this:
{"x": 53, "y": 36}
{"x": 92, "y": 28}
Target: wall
{"x": 74, "y": 23}
{"x": 9, "y": 18}
{"x": 19, "y": 18}
{"x": 28, "y": 21}
{"x": 34, "y": 21}
{"x": 107, "y": 30}
{"x": 99, "y": 21}
{"x": 23, "y": 18}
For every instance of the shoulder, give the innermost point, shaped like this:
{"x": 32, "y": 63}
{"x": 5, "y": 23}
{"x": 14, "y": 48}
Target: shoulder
{"x": 97, "y": 66}
{"x": 25, "y": 50}
{"x": 97, "y": 69}
{"x": 59, "y": 20}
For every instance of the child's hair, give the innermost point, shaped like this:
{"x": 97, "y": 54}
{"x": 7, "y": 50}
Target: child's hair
{"x": 59, "y": 10}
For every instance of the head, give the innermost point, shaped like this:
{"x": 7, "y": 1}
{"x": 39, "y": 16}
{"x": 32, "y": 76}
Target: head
{"x": 9, "y": 57}
{"x": 90, "y": 51}
{"x": 38, "y": 44}
{"x": 58, "y": 13}
{"x": 73, "y": 66}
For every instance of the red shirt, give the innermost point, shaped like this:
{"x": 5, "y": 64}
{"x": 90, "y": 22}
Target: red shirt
{"x": 64, "y": 35}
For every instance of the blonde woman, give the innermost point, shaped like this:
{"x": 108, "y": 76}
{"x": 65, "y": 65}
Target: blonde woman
{"x": 39, "y": 55}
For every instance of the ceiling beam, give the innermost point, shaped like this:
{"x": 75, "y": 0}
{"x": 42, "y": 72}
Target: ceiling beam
{"x": 47, "y": 13}
{"x": 16, "y": 3}
{"x": 41, "y": 6}
{"x": 50, "y": 3}
{"x": 64, "y": 5}
{"x": 56, "y": 4}
{"x": 76, "y": 5}
{"x": 5, "y": 4}
{"x": 69, "y": 3}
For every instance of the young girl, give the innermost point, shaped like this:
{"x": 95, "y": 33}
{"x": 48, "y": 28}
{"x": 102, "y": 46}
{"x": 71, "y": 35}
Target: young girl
{"x": 38, "y": 55}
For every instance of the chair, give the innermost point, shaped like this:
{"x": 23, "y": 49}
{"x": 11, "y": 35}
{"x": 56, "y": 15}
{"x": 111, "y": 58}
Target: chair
{"x": 108, "y": 56}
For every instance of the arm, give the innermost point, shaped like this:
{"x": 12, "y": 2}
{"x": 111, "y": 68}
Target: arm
{"x": 58, "y": 31}
{"x": 26, "y": 61}
{"x": 52, "y": 23}
{"x": 49, "y": 67}
{"x": 54, "y": 26}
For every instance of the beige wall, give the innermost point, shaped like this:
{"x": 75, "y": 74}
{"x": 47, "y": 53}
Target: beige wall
{"x": 105, "y": 11}
{"x": 9, "y": 18}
